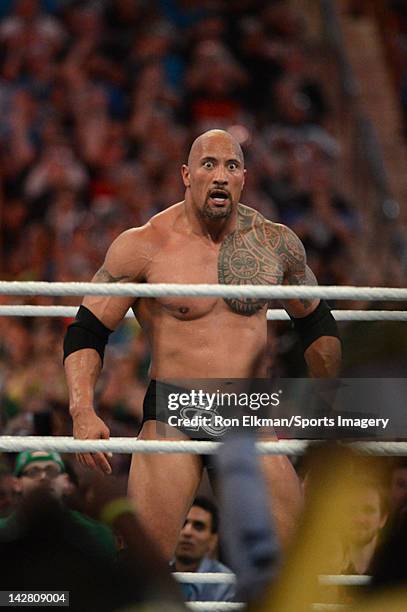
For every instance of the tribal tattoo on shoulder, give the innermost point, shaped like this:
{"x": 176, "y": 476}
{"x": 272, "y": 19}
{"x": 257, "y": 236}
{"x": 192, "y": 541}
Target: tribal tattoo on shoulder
{"x": 292, "y": 253}
{"x": 249, "y": 256}
{"x": 103, "y": 276}
{"x": 260, "y": 252}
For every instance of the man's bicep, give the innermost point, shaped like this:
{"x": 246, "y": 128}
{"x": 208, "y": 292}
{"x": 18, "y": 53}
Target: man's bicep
{"x": 291, "y": 253}
{"x": 110, "y": 310}
{"x": 122, "y": 265}
{"x": 301, "y": 307}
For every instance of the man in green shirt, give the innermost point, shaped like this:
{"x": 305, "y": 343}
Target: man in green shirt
{"x": 45, "y": 471}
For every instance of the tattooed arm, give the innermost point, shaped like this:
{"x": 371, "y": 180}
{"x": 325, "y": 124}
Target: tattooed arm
{"x": 126, "y": 261}
{"x": 323, "y": 356}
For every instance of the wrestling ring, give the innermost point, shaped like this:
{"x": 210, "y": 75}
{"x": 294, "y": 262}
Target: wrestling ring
{"x": 126, "y": 445}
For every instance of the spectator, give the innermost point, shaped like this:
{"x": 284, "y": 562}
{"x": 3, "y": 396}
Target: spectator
{"x": 45, "y": 472}
{"x": 196, "y": 545}
{"x": 216, "y": 99}
{"x": 367, "y": 517}
{"x": 31, "y": 30}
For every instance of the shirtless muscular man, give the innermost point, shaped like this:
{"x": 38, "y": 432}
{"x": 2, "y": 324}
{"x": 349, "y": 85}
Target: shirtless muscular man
{"x": 208, "y": 238}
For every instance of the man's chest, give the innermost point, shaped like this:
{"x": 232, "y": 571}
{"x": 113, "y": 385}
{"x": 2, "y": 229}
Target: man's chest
{"x": 242, "y": 258}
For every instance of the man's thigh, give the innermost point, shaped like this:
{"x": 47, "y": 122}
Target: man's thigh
{"x": 285, "y": 494}
{"x": 163, "y": 486}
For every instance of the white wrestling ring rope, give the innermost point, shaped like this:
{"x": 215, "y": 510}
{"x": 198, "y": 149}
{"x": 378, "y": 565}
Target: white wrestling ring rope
{"x": 225, "y": 606}
{"x": 229, "y": 578}
{"x": 327, "y": 606}
{"x": 67, "y": 444}
{"x": 214, "y": 606}
{"x": 220, "y": 606}
{"x": 275, "y": 314}
{"x": 204, "y": 577}
{"x": 344, "y": 580}
{"x": 153, "y": 290}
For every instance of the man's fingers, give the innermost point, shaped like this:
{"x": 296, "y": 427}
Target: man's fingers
{"x": 102, "y": 457}
{"x": 102, "y": 462}
{"x": 81, "y": 459}
{"x": 95, "y": 461}
{"x": 88, "y": 461}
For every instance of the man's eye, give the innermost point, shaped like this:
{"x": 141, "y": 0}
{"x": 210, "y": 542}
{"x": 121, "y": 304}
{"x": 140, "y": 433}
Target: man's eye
{"x": 208, "y": 164}
{"x": 232, "y": 166}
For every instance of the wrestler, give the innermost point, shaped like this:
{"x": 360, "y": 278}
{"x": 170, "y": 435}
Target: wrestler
{"x": 208, "y": 238}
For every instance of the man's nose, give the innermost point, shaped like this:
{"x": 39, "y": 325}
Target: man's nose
{"x": 186, "y": 530}
{"x": 220, "y": 177}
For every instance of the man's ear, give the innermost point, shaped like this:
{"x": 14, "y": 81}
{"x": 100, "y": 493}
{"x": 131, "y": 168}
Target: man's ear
{"x": 185, "y": 175}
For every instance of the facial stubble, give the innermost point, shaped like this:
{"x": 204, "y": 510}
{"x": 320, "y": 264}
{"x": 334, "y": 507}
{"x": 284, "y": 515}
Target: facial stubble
{"x": 209, "y": 212}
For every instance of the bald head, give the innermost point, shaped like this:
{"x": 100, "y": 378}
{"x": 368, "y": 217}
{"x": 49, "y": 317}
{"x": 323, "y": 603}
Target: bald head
{"x": 210, "y": 137}
{"x": 214, "y": 176}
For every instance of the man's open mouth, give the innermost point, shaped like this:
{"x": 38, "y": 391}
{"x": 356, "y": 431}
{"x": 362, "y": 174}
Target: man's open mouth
{"x": 219, "y": 197}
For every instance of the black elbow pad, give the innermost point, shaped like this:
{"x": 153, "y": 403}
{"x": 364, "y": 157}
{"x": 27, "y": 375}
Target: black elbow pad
{"x": 319, "y": 323}
{"x": 86, "y": 332}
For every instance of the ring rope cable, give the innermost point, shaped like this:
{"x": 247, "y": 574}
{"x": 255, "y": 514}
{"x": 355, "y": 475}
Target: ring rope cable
{"x": 229, "y": 578}
{"x": 151, "y": 290}
{"x": 215, "y": 606}
{"x": 277, "y": 314}
{"x": 226, "y": 606}
{"x": 67, "y": 444}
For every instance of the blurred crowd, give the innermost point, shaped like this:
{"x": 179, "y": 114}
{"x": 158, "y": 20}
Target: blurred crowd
{"x": 394, "y": 30}
{"x": 391, "y": 22}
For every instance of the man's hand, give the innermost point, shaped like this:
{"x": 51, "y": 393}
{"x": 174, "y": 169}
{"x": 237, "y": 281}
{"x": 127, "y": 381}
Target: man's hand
{"x": 88, "y": 426}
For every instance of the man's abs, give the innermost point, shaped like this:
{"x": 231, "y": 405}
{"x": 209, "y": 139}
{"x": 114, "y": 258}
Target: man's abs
{"x": 219, "y": 344}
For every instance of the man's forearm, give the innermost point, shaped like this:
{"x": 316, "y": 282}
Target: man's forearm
{"x": 323, "y": 357}
{"x": 82, "y": 370}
